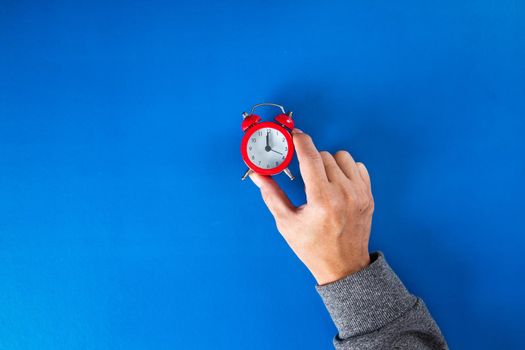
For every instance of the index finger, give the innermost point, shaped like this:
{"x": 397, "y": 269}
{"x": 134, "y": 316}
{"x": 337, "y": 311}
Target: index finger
{"x": 310, "y": 161}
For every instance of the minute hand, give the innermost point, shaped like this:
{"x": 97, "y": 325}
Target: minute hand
{"x": 276, "y": 152}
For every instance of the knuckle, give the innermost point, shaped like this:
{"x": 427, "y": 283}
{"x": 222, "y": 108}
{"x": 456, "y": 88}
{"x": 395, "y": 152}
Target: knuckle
{"x": 307, "y": 137}
{"x": 265, "y": 197}
{"x": 270, "y": 203}
{"x": 365, "y": 202}
{"x": 326, "y": 156}
{"x": 322, "y": 210}
{"x": 312, "y": 154}
{"x": 303, "y": 137}
{"x": 334, "y": 216}
{"x": 331, "y": 210}
{"x": 342, "y": 154}
{"x": 371, "y": 203}
{"x": 283, "y": 227}
{"x": 282, "y": 223}
{"x": 331, "y": 203}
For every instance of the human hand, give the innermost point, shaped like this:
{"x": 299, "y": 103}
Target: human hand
{"x": 330, "y": 232}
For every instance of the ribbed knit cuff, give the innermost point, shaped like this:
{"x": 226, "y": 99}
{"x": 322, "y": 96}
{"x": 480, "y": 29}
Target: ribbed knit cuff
{"x": 366, "y": 300}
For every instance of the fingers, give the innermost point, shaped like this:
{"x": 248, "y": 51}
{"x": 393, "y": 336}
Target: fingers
{"x": 363, "y": 172}
{"x": 333, "y": 171}
{"x": 310, "y": 162}
{"x": 347, "y": 165}
{"x": 274, "y": 197}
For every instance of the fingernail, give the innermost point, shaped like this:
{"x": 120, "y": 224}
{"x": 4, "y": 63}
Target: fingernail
{"x": 297, "y": 131}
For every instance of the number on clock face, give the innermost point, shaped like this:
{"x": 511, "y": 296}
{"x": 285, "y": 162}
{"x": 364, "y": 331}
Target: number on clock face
{"x": 267, "y": 148}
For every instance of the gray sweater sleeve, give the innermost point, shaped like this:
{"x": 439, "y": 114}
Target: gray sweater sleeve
{"x": 372, "y": 309}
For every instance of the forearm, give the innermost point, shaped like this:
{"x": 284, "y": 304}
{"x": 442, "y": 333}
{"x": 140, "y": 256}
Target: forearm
{"x": 373, "y": 310}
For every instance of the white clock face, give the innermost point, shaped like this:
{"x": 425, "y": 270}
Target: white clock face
{"x": 267, "y": 148}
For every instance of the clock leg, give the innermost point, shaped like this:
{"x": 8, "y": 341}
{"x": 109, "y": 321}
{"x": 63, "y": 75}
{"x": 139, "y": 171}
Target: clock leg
{"x": 246, "y": 174}
{"x": 289, "y": 173}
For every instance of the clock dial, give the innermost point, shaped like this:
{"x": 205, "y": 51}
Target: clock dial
{"x": 267, "y": 148}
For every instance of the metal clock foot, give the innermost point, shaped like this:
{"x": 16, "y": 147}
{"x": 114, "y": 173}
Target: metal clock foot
{"x": 246, "y": 174}
{"x": 289, "y": 173}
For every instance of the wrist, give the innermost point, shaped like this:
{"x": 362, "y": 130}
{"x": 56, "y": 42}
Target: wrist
{"x": 337, "y": 271}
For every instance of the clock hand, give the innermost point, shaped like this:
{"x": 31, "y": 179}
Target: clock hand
{"x": 267, "y": 148}
{"x": 276, "y": 152}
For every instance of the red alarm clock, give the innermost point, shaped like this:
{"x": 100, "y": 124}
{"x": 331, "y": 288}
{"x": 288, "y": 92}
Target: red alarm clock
{"x": 267, "y": 147}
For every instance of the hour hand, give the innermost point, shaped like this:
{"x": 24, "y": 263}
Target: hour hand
{"x": 276, "y": 152}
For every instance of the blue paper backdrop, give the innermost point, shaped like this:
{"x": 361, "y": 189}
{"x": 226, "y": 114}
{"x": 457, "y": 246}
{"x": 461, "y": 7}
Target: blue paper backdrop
{"x": 123, "y": 222}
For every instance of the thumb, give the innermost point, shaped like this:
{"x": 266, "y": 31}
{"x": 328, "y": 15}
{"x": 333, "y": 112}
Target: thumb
{"x": 274, "y": 197}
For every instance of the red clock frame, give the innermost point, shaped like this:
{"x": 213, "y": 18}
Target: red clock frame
{"x": 246, "y": 139}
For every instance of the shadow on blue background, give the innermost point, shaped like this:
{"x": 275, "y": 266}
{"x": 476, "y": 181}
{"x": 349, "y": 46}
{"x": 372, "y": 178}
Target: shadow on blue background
{"x": 123, "y": 223}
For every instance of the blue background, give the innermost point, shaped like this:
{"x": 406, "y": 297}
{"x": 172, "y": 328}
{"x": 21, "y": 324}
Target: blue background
{"x": 123, "y": 222}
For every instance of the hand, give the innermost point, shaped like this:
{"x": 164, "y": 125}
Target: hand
{"x": 330, "y": 232}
